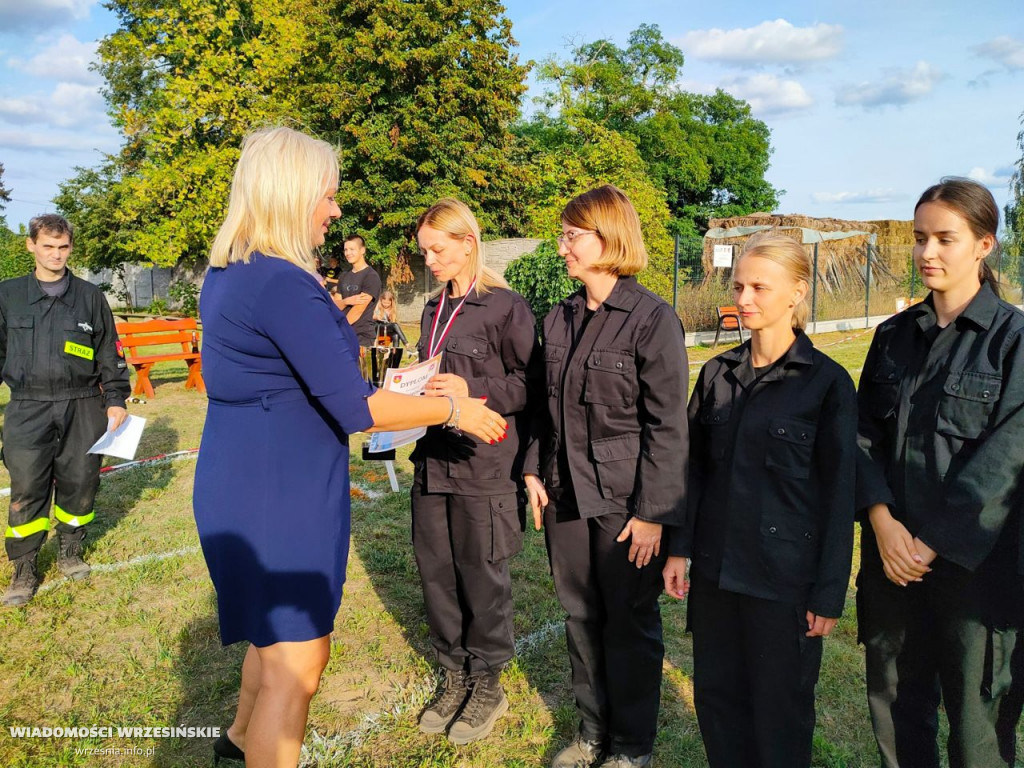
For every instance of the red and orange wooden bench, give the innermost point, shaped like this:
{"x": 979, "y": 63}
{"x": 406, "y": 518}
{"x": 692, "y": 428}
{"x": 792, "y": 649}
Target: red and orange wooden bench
{"x": 135, "y": 337}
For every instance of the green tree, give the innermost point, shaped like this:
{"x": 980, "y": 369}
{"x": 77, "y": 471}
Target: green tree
{"x": 15, "y": 258}
{"x": 541, "y": 279}
{"x": 1014, "y": 215}
{"x": 708, "y": 153}
{"x": 417, "y": 96}
{"x": 575, "y": 155}
{"x": 5, "y": 193}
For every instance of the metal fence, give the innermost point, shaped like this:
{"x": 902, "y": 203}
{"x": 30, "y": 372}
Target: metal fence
{"x": 873, "y": 281}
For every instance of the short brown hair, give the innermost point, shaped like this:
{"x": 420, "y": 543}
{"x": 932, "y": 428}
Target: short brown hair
{"x": 50, "y": 224}
{"x": 608, "y": 212}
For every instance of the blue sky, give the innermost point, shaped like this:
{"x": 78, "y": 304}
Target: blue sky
{"x": 868, "y": 102}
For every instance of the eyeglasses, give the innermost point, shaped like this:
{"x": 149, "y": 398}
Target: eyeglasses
{"x": 571, "y": 237}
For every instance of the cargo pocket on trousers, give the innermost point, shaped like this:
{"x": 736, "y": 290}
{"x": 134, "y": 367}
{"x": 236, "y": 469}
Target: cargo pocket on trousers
{"x": 506, "y": 527}
{"x": 998, "y": 673}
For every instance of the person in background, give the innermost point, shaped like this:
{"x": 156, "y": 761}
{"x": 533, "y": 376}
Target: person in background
{"x": 773, "y": 439}
{"x": 271, "y": 493}
{"x": 359, "y": 289}
{"x": 467, "y": 515}
{"x": 940, "y": 489}
{"x": 331, "y": 274}
{"x": 606, "y": 471}
{"x": 60, "y": 355}
{"x": 386, "y": 310}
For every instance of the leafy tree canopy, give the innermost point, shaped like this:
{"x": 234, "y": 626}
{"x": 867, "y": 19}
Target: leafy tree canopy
{"x": 707, "y": 153}
{"x": 5, "y": 193}
{"x": 417, "y": 95}
{"x": 1015, "y": 211}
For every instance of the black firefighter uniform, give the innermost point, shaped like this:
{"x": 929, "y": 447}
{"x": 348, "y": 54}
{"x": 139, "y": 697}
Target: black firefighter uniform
{"x": 62, "y": 360}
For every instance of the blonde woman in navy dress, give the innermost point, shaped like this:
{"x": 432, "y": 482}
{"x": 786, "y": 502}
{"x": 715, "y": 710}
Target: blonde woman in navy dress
{"x": 271, "y": 491}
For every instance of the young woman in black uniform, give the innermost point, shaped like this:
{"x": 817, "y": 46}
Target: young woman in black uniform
{"x": 770, "y": 524}
{"x": 611, "y": 448}
{"x": 467, "y": 518}
{"x": 941, "y": 439}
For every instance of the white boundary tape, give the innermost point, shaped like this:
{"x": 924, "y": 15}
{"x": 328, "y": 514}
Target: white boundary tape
{"x": 124, "y": 565}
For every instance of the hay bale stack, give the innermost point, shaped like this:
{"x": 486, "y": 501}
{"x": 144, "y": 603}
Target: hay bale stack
{"x": 841, "y": 263}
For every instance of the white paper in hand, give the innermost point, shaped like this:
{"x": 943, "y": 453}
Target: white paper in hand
{"x": 124, "y": 442}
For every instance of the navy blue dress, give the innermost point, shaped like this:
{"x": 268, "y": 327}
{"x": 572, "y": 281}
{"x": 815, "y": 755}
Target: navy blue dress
{"x": 271, "y": 495}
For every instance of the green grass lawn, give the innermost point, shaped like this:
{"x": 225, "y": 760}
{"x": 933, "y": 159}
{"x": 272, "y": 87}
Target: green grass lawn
{"x": 137, "y": 644}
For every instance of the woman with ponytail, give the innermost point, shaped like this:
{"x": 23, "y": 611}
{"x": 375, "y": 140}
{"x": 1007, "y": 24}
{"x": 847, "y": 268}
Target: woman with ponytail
{"x": 769, "y": 528}
{"x": 939, "y": 479}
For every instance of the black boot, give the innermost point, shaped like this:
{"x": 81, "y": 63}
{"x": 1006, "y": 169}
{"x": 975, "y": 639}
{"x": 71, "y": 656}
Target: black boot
{"x": 485, "y": 705}
{"x": 446, "y": 703}
{"x": 25, "y": 582}
{"x": 225, "y": 749}
{"x": 70, "y": 559}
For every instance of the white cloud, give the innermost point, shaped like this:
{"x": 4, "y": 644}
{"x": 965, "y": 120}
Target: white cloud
{"x": 1004, "y": 51}
{"x": 998, "y": 177}
{"x": 69, "y": 142}
{"x": 770, "y": 42}
{"x": 769, "y": 95}
{"x": 871, "y": 196}
{"x": 898, "y": 87}
{"x": 68, "y": 105}
{"x": 66, "y": 59}
{"x": 20, "y": 15}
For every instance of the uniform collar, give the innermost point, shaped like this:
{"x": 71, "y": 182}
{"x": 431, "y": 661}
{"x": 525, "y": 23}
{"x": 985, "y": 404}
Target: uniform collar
{"x": 800, "y": 353}
{"x": 625, "y": 294}
{"x": 475, "y": 297}
{"x": 36, "y": 294}
{"x": 981, "y": 310}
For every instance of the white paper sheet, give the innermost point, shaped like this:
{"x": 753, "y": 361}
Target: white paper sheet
{"x": 411, "y": 380}
{"x": 124, "y": 441}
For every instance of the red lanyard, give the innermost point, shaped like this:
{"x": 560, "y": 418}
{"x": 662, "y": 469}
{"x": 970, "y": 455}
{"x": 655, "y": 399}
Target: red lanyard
{"x": 434, "y": 348}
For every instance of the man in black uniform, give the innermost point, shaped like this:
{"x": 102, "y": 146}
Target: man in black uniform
{"x": 60, "y": 355}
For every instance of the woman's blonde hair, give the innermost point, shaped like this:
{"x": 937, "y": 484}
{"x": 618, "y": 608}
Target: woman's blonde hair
{"x": 389, "y": 315}
{"x": 454, "y": 218}
{"x": 279, "y": 179}
{"x": 608, "y": 212}
{"x": 791, "y": 255}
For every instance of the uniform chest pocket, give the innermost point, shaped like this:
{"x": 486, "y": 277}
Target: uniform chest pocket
{"x": 467, "y": 354}
{"x": 968, "y": 399}
{"x": 715, "y": 420}
{"x": 884, "y": 391}
{"x": 790, "y": 446}
{"x": 610, "y": 378}
{"x": 20, "y": 330}
{"x": 77, "y": 345}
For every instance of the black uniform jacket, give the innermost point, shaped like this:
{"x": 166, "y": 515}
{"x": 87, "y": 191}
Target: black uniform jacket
{"x": 941, "y": 431}
{"x": 772, "y": 464}
{"x": 60, "y": 348}
{"x": 616, "y": 407}
{"x": 492, "y": 345}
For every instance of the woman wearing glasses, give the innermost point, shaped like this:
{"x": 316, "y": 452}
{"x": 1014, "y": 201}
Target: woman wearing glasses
{"x": 611, "y": 449}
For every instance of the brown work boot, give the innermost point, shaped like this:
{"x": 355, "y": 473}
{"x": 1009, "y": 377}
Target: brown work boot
{"x": 70, "y": 559}
{"x": 25, "y": 582}
{"x": 446, "y": 703}
{"x": 485, "y": 705}
{"x": 580, "y": 754}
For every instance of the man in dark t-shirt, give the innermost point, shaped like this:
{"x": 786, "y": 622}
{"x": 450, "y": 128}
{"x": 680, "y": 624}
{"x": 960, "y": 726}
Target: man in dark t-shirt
{"x": 359, "y": 289}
